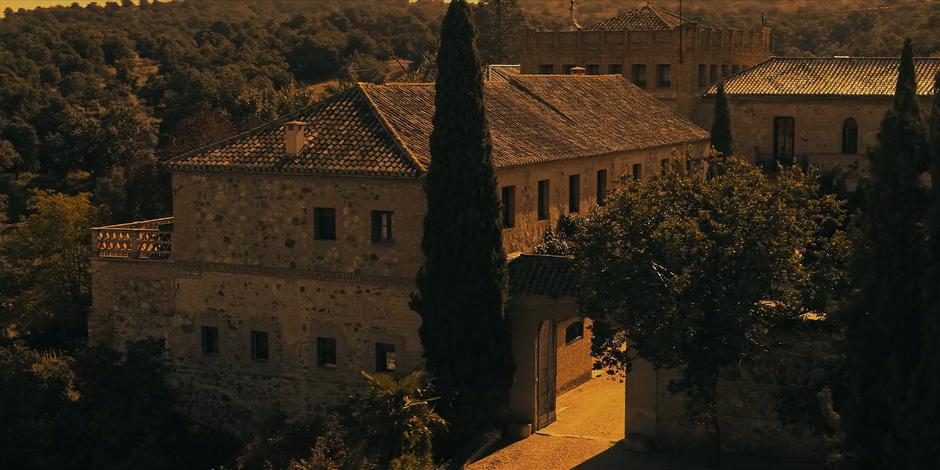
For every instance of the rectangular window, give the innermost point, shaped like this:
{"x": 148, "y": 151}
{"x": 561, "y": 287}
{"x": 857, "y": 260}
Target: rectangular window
{"x": 324, "y": 223}
{"x": 509, "y": 206}
{"x": 568, "y": 68}
{"x": 592, "y": 69}
{"x": 601, "y": 187}
{"x": 574, "y": 193}
{"x": 615, "y": 69}
{"x": 381, "y": 226}
{"x": 259, "y": 345}
{"x": 385, "y": 357}
{"x": 543, "y": 200}
{"x": 326, "y": 352}
{"x": 702, "y": 75}
{"x": 664, "y": 75}
{"x": 713, "y": 73}
{"x": 637, "y": 171}
{"x": 783, "y": 139}
{"x": 210, "y": 340}
{"x": 639, "y": 75}
{"x": 546, "y": 69}
{"x": 724, "y": 71}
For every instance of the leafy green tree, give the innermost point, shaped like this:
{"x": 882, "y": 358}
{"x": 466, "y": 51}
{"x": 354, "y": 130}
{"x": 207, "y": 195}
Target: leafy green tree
{"x": 884, "y": 319}
{"x": 48, "y": 255}
{"x": 462, "y": 284}
{"x": 695, "y": 270}
{"x": 721, "y": 124}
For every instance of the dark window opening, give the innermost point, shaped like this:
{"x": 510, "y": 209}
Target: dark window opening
{"x": 381, "y": 226}
{"x": 615, "y": 69}
{"x": 783, "y": 139}
{"x": 601, "y": 187}
{"x": 326, "y": 352}
{"x": 850, "y": 136}
{"x": 385, "y": 357}
{"x": 713, "y": 73}
{"x": 574, "y": 193}
{"x": 509, "y": 206}
{"x": 210, "y": 340}
{"x": 702, "y": 77}
{"x": 546, "y": 69}
{"x": 637, "y": 171}
{"x": 259, "y": 345}
{"x": 543, "y": 200}
{"x": 324, "y": 223}
{"x": 724, "y": 71}
{"x": 639, "y": 75}
{"x": 592, "y": 69}
{"x": 664, "y": 75}
{"x": 573, "y": 332}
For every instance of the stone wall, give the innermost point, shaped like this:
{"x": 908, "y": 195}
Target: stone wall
{"x": 529, "y": 230}
{"x": 817, "y": 126}
{"x": 132, "y": 300}
{"x": 725, "y": 49}
{"x": 574, "y": 361}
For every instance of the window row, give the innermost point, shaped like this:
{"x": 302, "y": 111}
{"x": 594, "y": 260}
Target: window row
{"x": 385, "y": 360}
{"x": 637, "y": 72}
{"x": 708, "y": 73}
{"x": 324, "y": 225}
{"x": 543, "y": 201}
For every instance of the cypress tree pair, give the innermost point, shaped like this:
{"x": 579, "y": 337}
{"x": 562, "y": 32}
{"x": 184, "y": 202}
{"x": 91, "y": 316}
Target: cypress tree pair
{"x": 462, "y": 284}
{"x": 883, "y": 321}
{"x": 721, "y": 125}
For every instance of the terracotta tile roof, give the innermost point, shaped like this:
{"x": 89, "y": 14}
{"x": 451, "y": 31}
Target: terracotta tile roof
{"x": 542, "y": 275}
{"x": 501, "y": 71}
{"x": 828, "y": 76}
{"x": 647, "y": 18}
{"x": 384, "y": 130}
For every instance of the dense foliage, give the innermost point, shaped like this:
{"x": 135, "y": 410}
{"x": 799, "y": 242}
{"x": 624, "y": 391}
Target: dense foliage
{"x": 697, "y": 270}
{"x": 886, "y": 317}
{"x": 462, "y": 283}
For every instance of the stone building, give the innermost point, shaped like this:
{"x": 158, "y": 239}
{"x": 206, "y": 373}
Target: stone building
{"x": 673, "y": 58}
{"x": 290, "y": 257}
{"x": 820, "y": 111}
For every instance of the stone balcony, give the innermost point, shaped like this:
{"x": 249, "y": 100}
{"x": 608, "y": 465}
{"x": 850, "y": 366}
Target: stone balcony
{"x": 148, "y": 240}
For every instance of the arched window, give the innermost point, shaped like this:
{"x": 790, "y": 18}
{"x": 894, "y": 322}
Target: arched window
{"x": 850, "y": 136}
{"x": 573, "y": 332}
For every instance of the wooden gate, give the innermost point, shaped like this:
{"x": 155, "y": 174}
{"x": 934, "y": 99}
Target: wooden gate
{"x": 545, "y": 386}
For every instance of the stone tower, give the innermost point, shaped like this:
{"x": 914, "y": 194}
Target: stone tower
{"x": 675, "y": 59}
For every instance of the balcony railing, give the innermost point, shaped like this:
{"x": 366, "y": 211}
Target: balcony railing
{"x": 146, "y": 240}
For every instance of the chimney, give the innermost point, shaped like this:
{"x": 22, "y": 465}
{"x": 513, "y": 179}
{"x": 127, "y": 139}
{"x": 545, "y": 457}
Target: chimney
{"x": 577, "y": 70}
{"x": 294, "y": 137}
{"x": 574, "y": 26}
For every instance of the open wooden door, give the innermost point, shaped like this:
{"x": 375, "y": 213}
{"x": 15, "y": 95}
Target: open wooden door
{"x": 545, "y": 378}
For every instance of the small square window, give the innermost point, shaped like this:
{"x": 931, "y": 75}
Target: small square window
{"x": 593, "y": 69}
{"x": 326, "y": 352}
{"x": 385, "y": 360}
{"x": 381, "y": 226}
{"x": 713, "y": 73}
{"x": 615, "y": 69}
{"x": 324, "y": 223}
{"x": 724, "y": 71}
{"x": 601, "y": 187}
{"x": 574, "y": 193}
{"x": 543, "y": 203}
{"x": 702, "y": 75}
{"x": 639, "y": 75}
{"x": 637, "y": 171}
{"x": 509, "y": 206}
{"x": 546, "y": 69}
{"x": 259, "y": 345}
{"x": 210, "y": 340}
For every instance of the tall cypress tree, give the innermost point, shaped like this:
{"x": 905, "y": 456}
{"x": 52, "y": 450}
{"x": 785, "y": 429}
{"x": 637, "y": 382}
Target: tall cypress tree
{"x": 927, "y": 392}
{"x": 883, "y": 320}
{"x": 462, "y": 284}
{"x": 721, "y": 125}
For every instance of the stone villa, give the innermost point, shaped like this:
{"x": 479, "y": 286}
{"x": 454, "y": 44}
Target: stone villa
{"x": 820, "y": 111}
{"x": 287, "y": 264}
{"x": 673, "y": 58}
